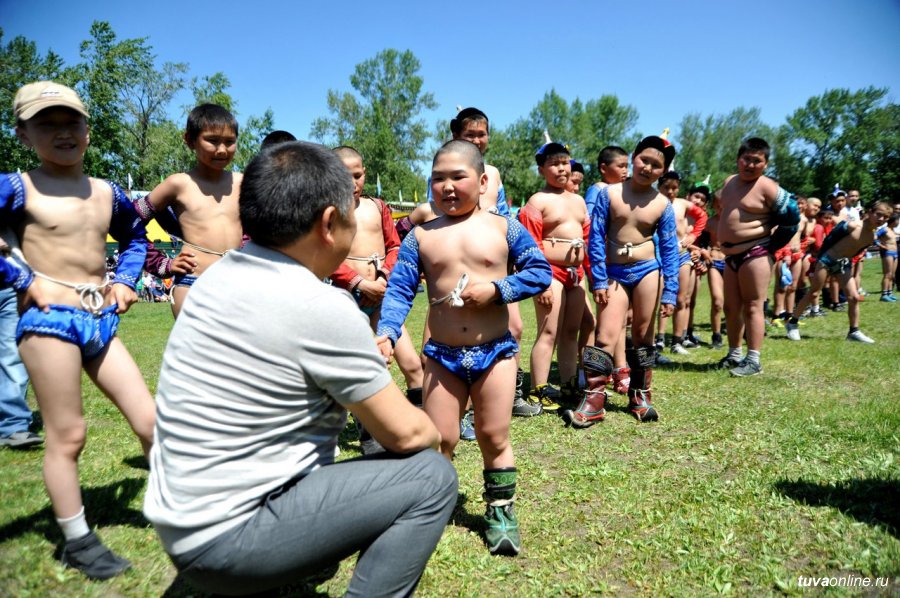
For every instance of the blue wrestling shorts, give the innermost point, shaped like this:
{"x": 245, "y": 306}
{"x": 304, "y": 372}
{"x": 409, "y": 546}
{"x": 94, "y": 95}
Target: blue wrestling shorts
{"x": 366, "y": 309}
{"x": 91, "y": 333}
{"x": 719, "y": 265}
{"x": 835, "y": 266}
{"x": 184, "y": 280}
{"x": 683, "y": 258}
{"x": 469, "y": 363}
{"x": 629, "y": 275}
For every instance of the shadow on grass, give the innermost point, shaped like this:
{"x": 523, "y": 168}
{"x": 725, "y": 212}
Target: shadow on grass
{"x": 137, "y": 462}
{"x": 463, "y": 518}
{"x": 875, "y": 502}
{"x": 181, "y": 588}
{"x": 105, "y": 504}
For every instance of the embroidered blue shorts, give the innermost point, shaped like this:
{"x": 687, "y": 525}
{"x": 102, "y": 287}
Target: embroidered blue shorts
{"x": 683, "y": 258}
{"x": 184, "y": 280}
{"x": 719, "y": 265}
{"x": 629, "y": 275}
{"x": 91, "y": 333}
{"x": 469, "y": 363}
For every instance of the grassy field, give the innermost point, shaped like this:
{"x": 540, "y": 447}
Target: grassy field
{"x": 741, "y": 487}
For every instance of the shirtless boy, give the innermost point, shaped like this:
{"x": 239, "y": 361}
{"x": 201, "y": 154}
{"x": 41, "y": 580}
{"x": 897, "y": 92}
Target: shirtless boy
{"x": 559, "y": 223}
{"x": 687, "y": 235}
{"x": 205, "y": 199}
{"x": 758, "y": 217}
{"x": 470, "y": 352}
{"x": 365, "y": 273}
{"x": 61, "y": 218}
{"x": 715, "y": 260}
{"x": 792, "y": 257}
{"x": 625, "y": 273}
{"x": 845, "y": 241}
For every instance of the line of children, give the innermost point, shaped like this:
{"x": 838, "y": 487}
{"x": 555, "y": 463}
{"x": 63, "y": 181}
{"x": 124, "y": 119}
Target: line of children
{"x": 61, "y": 218}
{"x": 471, "y": 351}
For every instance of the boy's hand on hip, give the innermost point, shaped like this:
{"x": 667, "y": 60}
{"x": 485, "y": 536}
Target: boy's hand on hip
{"x": 601, "y": 296}
{"x": 124, "y": 297}
{"x": 545, "y": 298}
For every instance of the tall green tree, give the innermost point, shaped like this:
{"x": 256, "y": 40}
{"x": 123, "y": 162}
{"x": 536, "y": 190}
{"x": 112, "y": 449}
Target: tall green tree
{"x": 20, "y": 64}
{"x": 384, "y": 122}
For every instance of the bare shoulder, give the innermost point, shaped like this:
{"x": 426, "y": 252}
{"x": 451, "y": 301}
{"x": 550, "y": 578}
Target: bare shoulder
{"x": 767, "y": 186}
{"x": 492, "y": 172}
{"x": 236, "y": 178}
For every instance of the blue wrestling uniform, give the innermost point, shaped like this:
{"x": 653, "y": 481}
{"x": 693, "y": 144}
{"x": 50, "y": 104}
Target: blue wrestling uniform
{"x": 629, "y": 275}
{"x": 184, "y": 280}
{"x": 469, "y": 363}
{"x": 532, "y": 276}
{"x": 91, "y": 333}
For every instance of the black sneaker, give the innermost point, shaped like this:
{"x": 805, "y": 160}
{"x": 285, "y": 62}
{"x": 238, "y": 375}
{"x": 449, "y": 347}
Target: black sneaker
{"x": 91, "y": 557}
{"x": 525, "y": 408}
{"x": 728, "y": 362}
{"x": 747, "y": 368}
{"x": 21, "y": 440}
{"x": 717, "y": 341}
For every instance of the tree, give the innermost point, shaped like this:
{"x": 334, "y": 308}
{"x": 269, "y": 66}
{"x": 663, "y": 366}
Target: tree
{"x": 708, "y": 146}
{"x": 837, "y": 138}
{"x": 20, "y": 64}
{"x": 383, "y": 123}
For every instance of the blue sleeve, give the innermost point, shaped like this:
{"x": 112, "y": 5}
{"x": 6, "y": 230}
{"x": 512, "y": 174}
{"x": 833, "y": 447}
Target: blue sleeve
{"x": 401, "y": 289}
{"x": 502, "y": 205}
{"x": 532, "y": 270}
{"x": 127, "y": 228}
{"x": 590, "y": 198}
{"x": 597, "y": 240}
{"x": 786, "y": 215}
{"x": 12, "y": 208}
{"x": 668, "y": 254}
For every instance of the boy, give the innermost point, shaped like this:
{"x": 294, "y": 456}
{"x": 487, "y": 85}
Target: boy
{"x": 612, "y": 162}
{"x": 668, "y": 185}
{"x": 845, "y": 241}
{"x": 792, "y": 258}
{"x": 558, "y": 222}
{"x": 365, "y": 272}
{"x": 758, "y": 217}
{"x": 71, "y": 306}
{"x": 887, "y": 248}
{"x": 575, "y": 179}
{"x": 626, "y": 274}
{"x": 470, "y": 352}
{"x": 715, "y": 260}
{"x": 205, "y": 199}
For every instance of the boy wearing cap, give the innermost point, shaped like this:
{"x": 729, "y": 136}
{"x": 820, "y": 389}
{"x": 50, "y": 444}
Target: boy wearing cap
{"x": 758, "y": 217}
{"x": 558, "y": 222}
{"x": 625, "y": 273}
{"x": 72, "y": 306}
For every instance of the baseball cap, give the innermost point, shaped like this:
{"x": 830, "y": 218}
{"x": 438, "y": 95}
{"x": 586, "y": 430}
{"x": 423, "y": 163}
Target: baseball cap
{"x": 34, "y": 97}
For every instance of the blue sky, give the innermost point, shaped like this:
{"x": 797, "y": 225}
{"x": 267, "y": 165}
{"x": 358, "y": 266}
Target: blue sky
{"x": 664, "y": 57}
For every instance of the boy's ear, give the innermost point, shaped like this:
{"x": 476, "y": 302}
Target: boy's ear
{"x": 23, "y": 136}
{"x": 187, "y": 141}
{"x": 483, "y": 183}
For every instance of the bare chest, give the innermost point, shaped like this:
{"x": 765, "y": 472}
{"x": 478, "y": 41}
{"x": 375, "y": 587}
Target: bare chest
{"x": 475, "y": 248}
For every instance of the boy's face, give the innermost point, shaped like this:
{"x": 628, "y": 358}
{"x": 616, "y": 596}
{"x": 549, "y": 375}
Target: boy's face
{"x": 574, "y": 184}
{"x": 556, "y": 171}
{"x": 838, "y": 203}
{"x": 812, "y": 208}
{"x": 616, "y": 171}
{"x": 853, "y": 197}
{"x": 826, "y": 218}
{"x": 669, "y": 188}
{"x": 58, "y": 135}
{"x": 647, "y": 166}
{"x": 215, "y": 147}
{"x": 455, "y": 186}
{"x": 698, "y": 199}
{"x": 751, "y": 165}
{"x": 358, "y": 172}
{"x": 476, "y": 131}
{"x": 878, "y": 216}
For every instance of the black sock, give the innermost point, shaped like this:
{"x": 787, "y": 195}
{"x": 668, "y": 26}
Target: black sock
{"x": 853, "y": 329}
{"x": 794, "y": 320}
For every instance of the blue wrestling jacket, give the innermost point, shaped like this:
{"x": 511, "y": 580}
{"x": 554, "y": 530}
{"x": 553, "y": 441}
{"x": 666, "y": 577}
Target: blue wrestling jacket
{"x": 666, "y": 238}
{"x": 125, "y": 226}
{"x": 532, "y": 276}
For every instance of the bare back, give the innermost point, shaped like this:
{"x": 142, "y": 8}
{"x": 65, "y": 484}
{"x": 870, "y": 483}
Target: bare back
{"x": 746, "y": 212}
{"x": 632, "y": 219}
{"x": 449, "y": 248}
{"x": 63, "y": 234}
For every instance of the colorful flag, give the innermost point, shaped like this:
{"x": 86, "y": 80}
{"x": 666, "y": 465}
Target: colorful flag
{"x": 377, "y": 185}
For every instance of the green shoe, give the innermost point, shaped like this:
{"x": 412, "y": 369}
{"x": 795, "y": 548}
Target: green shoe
{"x": 502, "y": 534}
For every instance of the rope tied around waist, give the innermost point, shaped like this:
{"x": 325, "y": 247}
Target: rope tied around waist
{"x": 89, "y": 294}
{"x": 454, "y": 296}
{"x": 199, "y": 248}
{"x": 628, "y": 248}
{"x": 576, "y": 243}
{"x": 375, "y": 259}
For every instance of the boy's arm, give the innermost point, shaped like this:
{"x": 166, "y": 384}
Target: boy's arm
{"x": 157, "y": 262}
{"x": 502, "y": 205}
{"x": 532, "y": 274}
{"x": 127, "y": 228}
{"x": 590, "y": 199}
{"x": 840, "y": 230}
{"x": 346, "y": 277}
{"x": 667, "y": 234}
{"x": 157, "y": 200}
{"x": 786, "y": 215}
{"x": 401, "y": 290}
{"x": 699, "y": 216}
{"x": 391, "y": 240}
{"x": 12, "y": 207}
{"x": 597, "y": 241}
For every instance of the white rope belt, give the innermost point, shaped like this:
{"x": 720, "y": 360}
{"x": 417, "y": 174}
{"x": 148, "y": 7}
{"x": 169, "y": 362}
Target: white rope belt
{"x": 199, "y": 248}
{"x": 628, "y": 248}
{"x": 454, "y": 296}
{"x": 576, "y": 243}
{"x": 375, "y": 259}
{"x": 90, "y": 295}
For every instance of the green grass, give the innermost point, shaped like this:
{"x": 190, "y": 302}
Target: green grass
{"x": 742, "y": 486}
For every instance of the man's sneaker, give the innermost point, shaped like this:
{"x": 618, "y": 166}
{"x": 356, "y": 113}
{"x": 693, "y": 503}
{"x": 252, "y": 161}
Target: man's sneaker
{"x": 728, "y": 362}
{"x": 692, "y": 341}
{"x": 502, "y": 533}
{"x": 547, "y": 396}
{"x": 91, "y": 557}
{"x": 20, "y": 440}
{"x": 716, "y": 341}
{"x": 467, "y": 426}
{"x": 888, "y": 298}
{"x": 859, "y": 337}
{"x": 524, "y": 408}
{"x": 793, "y": 331}
{"x": 660, "y": 343}
{"x": 679, "y": 349}
{"x": 747, "y": 368}
{"x": 662, "y": 360}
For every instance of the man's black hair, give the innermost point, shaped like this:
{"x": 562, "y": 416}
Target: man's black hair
{"x": 287, "y": 187}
